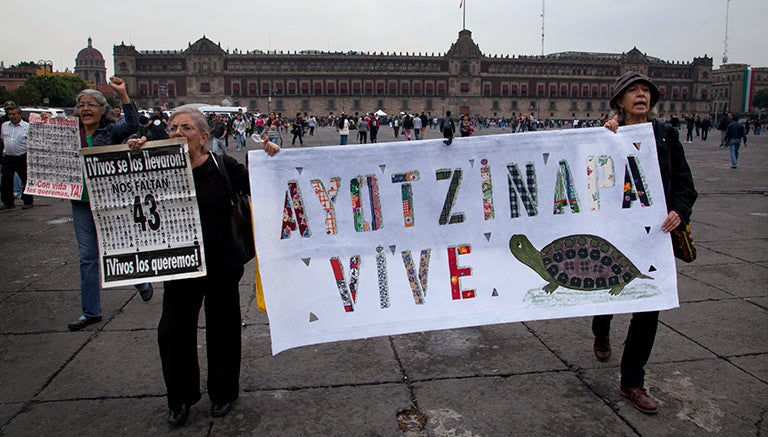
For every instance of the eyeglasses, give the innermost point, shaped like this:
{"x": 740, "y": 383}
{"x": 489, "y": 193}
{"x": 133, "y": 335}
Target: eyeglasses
{"x": 88, "y": 105}
{"x": 183, "y": 128}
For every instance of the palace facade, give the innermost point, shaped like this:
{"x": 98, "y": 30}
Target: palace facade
{"x": 563, "y": 86}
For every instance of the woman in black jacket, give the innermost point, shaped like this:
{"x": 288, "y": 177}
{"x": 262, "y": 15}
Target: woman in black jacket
{"x": 634, "y": 98}
{"x": 218, "y": 291}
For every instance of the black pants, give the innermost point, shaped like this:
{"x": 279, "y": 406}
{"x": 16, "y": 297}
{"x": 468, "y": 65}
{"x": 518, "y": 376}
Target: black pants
{"x": 177, "y": 336}
{"x": 637, "y": 346}
{"x": 362, "y": 137}
{"x": 300, "y": 136}
{"x": 11, "y": 165}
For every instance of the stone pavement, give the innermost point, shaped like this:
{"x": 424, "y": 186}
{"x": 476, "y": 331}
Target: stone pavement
{"x": 709, "y": 368}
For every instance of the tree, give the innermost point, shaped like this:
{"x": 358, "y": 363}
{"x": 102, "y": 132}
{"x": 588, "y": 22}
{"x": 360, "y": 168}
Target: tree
{"x": 59, "y": 89}
{"x": 26, "y": 95}
{"x": 760, "y": 99}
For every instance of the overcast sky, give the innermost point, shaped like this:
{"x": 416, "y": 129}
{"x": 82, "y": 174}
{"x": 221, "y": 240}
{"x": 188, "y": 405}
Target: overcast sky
{"x": 56, "y": 31}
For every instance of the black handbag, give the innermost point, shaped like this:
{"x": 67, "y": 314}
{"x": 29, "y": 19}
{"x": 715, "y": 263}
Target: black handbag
{"x": 242, "y": 247}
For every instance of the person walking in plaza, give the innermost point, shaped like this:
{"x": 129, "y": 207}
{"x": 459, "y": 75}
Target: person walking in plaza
{"x": 396, "y": 126}
{"x": 465, "y": 128}
{"x": 342, "y": 127}
{"x": 14, "y": 145}
{"x": 373, "y": 126}
{"x": 217, "y": 292}
{"x": 706, "y": 125}
{"x": 448, "y": 128}
{"x": 633, "y": 99}
{"x": 735, "y": 133}
{"x": 407, "y": 126}
{"x": 238, "y": 126}
{"x": 98, "y": 127}
{"x": 417, "y": 131}
{"x": 298, "y": 129}
{"x": 219, "y": 133}
{"x": 272, "y": 130}
{"x": 690, "y": 122}
{"x": 722, "y": 126}
{"x": 362, "y": 131}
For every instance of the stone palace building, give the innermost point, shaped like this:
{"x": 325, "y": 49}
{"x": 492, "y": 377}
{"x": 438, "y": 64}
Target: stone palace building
{"x": 560, "y": 86}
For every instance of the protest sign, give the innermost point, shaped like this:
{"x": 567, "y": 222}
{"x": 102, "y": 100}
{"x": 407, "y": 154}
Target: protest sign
{"x": 145, "y": 210}
{"x": 362, "y": 241}
{"x": 54, "y": 165}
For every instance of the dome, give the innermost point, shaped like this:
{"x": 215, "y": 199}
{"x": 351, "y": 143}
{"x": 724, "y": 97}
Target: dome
{"x": 89, "y": 52}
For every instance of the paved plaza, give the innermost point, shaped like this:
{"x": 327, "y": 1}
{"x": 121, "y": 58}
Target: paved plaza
{"x": 708, "y": 370}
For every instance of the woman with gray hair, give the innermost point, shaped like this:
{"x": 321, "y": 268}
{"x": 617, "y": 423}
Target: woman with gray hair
{"x": 98, "y": 128}
{"x": 217, "y": 292}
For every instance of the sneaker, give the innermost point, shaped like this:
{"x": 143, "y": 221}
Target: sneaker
{"x": 82, "y": 322}
{"x": 640, "y": 399}
{"x": 147, "y": 293}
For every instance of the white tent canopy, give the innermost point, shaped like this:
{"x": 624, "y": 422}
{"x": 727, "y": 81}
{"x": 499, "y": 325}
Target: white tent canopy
{"x": 380, "y": 113}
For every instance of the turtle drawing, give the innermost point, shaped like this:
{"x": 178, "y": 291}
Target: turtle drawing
{"x": 578, "y": 262}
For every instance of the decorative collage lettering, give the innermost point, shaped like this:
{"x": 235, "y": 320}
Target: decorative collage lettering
{"x": 327, "y": 200}
{"x": 634, "y": 185}
{"x": 406, "y": 191}
{"x": 457, "y": 272}
{"x": 565, "y": 190}
{"x": 487, "y": 187}
{"x": 293, "y": 213}
{"x": 381, "y": 274}
{"x": 356, "y": 186}
{"x": 418, "y": 281}
{"x": 603, "y": 164}
{"x": 348, "y": 294}
{"x": 446, "y": 216}
{"x": 527, "y": 190}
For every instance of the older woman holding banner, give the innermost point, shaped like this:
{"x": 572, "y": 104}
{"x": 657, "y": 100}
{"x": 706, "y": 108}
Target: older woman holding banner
{"x": 98, "y": 127}
{"x": 633, "y": 99}
{"x": 218, "y": 290}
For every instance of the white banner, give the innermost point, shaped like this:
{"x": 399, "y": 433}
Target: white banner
{"x": 54, "y": 165}
{"x": 367, "y": 240}
{"x": 144, "y": 206}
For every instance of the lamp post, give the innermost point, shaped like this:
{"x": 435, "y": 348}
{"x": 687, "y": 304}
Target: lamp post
{"x": 269, "y": 98}
{"x": 47, "y": 68}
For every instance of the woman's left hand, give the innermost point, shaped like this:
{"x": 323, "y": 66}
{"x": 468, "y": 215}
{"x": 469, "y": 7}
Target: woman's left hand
{"x": 270, "y": 147}
{"x": 135, "y": 143}
{"x": 672, "y": 221}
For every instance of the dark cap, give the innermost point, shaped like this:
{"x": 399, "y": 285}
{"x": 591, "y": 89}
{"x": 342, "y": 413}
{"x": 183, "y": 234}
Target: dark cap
{"x": 157, "y": 108}
{"x": 627, "y": 79}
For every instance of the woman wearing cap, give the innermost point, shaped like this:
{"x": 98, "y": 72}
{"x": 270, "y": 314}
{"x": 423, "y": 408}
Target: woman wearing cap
{"x": 634, "y": 98}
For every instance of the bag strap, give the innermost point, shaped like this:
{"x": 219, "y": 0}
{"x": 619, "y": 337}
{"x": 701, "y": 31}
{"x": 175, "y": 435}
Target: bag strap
{"x": 223, "y": 170}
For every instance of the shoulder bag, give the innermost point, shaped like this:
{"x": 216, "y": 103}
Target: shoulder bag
{"x": 242, "y": 244}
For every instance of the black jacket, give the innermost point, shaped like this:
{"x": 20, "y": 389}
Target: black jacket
{"x": 675, "y": 172}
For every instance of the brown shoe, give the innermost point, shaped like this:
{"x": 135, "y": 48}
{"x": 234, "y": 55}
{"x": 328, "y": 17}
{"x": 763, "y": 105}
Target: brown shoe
{"x": 602, "y": 348}
{"x": 640, "y": 399}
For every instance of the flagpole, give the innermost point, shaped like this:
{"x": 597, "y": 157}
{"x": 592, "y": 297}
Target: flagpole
{"x": 464, "y": 19}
